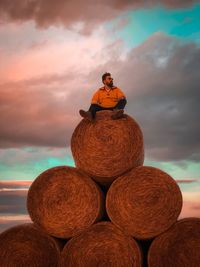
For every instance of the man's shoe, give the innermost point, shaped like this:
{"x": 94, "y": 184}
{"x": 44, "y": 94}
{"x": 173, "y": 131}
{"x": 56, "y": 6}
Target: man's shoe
{"x": 118, "y": 113}
{"x": 85, "y": 114}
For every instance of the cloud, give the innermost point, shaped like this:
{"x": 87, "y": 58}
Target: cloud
{"x": 38, "y": 117}
{"x": 160, "y": 78}
{"x": 43, "y": 110}
{"x": 191, "y": 196}
{"x": 13, "y": 202}
{"x": 190, "y": 209}
{"x": 8, "y": 221}
{"x": 29, "y": 156}
{"x": 28, "y": 162}
{"x": 187, "y": 181}
{"x": 84, "y": 15}
{"x": 13, "y": 217}
{"x": 191, "y": 205}
{"x": 13, "y": 185}
{"x": 49, "y": 52}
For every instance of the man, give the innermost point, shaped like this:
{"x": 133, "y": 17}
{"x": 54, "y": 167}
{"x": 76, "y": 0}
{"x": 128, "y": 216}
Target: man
{"x": 108, "y": 97}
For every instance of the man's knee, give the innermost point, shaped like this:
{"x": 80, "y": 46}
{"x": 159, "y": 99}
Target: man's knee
{"x": 121, "y": 104}
{"x": 94, "y": 107}
{"x": 123, "y": 101}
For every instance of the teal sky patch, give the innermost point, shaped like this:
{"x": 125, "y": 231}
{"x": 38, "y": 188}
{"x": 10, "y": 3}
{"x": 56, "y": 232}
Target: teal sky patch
{"x": 30, "y": 170}
{"x": 181, "y": 23}
{"x": 183, "y": 170}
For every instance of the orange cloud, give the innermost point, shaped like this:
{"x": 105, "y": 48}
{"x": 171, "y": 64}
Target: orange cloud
{"x": 191, "y": 205}
{"x": 15, "y": 184}
{"x": 186, "y": 181}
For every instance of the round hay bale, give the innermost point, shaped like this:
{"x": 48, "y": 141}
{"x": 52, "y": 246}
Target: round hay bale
{"x": 63, "y": 202}
{"x": 144, "y": 202}
{"x": 25, "y": 245}
{"x": 179, "y": 246}
{"x": 102, "y": 244}
{"x": 107, "y": 148}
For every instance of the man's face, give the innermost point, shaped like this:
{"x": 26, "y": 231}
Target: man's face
{"x": 108, "y": 81}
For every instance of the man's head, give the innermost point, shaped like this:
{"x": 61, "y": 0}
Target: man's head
{"x": 107, "y": 79}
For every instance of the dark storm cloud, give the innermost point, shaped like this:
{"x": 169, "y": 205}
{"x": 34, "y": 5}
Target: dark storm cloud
{"x": 13, "y": 202}
{"x": 66, "y": 13}
{"x": 6, "y": 224}
{"x": 169, "y": 109}
{"x": 161, "y": 78}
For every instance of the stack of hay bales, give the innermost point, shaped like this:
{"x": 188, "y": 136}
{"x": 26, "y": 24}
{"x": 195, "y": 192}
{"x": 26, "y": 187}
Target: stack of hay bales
{"x": 109, "y": 210}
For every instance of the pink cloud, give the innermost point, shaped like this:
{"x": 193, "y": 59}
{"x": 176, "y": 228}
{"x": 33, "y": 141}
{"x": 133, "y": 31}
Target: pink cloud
{"x": 191, "y": 205}
{"x": 15, "y": 184}
{"x": 190, "y": 209}
{"x": 14, "y": 217}
{"x": 186, "y": 180}
{"x": 49, "y": 52}
{"x": 55, "y": 78}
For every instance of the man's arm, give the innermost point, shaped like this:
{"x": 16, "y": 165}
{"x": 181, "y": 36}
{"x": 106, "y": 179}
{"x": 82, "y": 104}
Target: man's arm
{"x": 95, "y": 98}
{"x": 120, "y": 94}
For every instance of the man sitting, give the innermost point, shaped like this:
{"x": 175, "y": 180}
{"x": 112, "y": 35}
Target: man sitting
{"x": 108, "y": 97}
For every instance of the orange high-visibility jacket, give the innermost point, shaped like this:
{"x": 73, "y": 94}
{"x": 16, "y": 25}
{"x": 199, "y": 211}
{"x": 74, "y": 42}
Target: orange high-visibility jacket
{"x": 107, "y": 99}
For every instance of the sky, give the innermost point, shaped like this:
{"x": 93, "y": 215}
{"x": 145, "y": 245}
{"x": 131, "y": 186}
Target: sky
{"x": 53, "y": 54}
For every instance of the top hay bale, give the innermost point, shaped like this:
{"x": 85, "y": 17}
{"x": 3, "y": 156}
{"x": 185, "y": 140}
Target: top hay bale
{"x": 107, "y": 148}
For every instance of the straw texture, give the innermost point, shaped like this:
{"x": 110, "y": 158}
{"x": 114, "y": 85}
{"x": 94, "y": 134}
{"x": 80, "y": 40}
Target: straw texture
{"x": 63, "y": 202}
{"x": 177, "y": 247}
{"x": 102, "y": 245}
{"x": 25, "y": 245}
{"x": 107, "y": 148}
{"x": 144, "y": 202}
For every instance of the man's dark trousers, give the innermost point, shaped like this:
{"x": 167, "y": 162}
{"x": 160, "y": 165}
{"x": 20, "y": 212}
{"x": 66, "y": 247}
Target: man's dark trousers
{"x": 94, "y": 107}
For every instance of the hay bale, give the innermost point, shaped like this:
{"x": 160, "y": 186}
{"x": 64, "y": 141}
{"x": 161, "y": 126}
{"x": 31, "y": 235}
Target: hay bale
{"x": 144, "y": 202}
{"x": 63, "y": 202}
{"x": 179, "y": 246}
{"x": 102, "y": 244}
{"x": 107, "y": 148}
{"x": 25, "y": 245}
